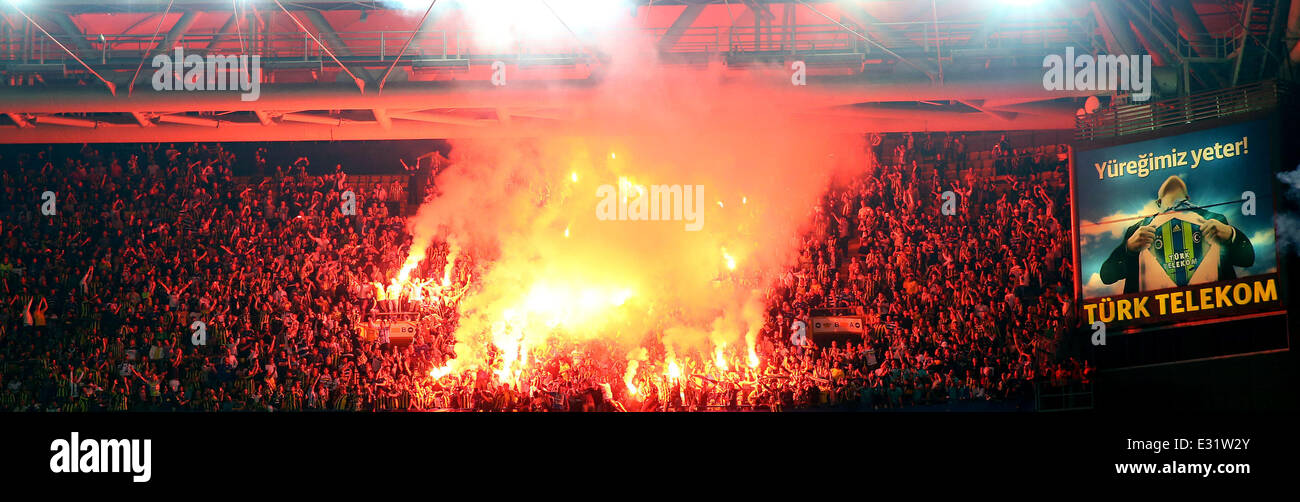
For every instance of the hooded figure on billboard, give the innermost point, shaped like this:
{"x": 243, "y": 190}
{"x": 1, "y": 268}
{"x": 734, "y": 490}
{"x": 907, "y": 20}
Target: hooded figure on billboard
{"x": 1181, "y": 245}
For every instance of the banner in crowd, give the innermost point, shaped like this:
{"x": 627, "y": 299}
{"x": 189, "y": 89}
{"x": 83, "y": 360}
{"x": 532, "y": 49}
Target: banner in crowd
{"x": 399, "y": 332}
{"x": 837, "y": 325}
{"x": 1177, "y": 228}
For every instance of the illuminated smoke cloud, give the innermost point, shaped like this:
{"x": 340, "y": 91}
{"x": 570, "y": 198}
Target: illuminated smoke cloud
{"x": 526, "y": 209}
{"x": 1287, "y": 223}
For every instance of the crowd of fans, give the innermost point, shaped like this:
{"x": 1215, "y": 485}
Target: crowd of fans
{"x": 152, "y": 247}
{"x": 971, "y": 302}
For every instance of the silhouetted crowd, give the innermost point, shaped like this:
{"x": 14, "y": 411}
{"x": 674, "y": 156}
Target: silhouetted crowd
{"x": 144, "y": 249}
{"x": 972, "y": 303}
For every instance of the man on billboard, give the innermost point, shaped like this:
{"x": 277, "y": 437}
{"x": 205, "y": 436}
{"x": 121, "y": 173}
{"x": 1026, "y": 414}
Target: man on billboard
{"x": 1183, "y": 244}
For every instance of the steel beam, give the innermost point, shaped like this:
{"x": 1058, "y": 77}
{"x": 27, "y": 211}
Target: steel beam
{"x": 1161, "y": 49}
{"x": 1021, "y": 84}
{"x": 65, "y": 121}
{"x": 336, "y": 44}
{"x": 142, "y": 119}
{"x": 188, "y": 120}
{"x": 1293, "y": 31}
{"x": 679, "y": 26}
{"x": 859, "y": 16}
{"x": 220, "y": 36}
{"x": 381, "y": 116}
{"x": 1191, "y": 26}
{"x": 177, "y": 31}
{"x": 1241, "y": 50}
{"x": 309, "y": 118}
{"x": 19, "y": 120}
{"x": 843, "y": 122}
{"x": 1114, "y": 28}
{"x": 998, "y": 115}
{"x": 440, "y": 118}
{"x": 71, "y": 31}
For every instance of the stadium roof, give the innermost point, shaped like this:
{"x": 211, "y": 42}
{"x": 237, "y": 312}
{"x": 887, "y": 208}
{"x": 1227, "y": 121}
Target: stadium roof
{"x": 78, "y": 70}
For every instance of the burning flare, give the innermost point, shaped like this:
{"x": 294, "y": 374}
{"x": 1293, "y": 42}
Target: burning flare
{"x": 634, "y": 359}
{"x": 529, "y": 264}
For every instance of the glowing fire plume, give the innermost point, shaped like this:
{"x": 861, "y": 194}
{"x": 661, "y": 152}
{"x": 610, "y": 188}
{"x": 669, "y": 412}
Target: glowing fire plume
{"x": 719, "y": 357}
{"x": 672, "y": 370}
{"x": 561, "y": 243}
{"x": 728, "y": 259}
{"x": 629, "y": 377}
{"x": 453, "y": 251}
{"x": 508, "y": 339}
{"x": 634, "y": 359}
{"x": 440, "y": 372}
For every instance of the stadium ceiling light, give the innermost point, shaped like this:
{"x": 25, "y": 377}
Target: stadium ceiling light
{"x": 408, "y": 4}
{"x": 1022, "y": 3}
{"x": 502, "y": 23}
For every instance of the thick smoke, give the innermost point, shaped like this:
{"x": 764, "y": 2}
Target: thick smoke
{"x": 526, "y": 209}
{"x": 1288, "y": 223}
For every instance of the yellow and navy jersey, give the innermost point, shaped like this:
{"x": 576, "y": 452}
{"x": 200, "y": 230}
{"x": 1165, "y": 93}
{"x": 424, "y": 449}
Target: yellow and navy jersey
{"x": 1179, "y": 254}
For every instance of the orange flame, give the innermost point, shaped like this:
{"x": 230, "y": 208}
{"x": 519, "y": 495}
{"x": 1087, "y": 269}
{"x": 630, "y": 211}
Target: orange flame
{"x": 619, "y": 279}
{"x": 440, "y": 372}
{"x": 672, "y": 371}
{"x": 630, "y": 375}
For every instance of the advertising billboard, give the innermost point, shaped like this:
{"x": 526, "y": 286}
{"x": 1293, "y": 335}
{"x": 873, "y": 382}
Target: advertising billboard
{"x": 1177, "y": 228}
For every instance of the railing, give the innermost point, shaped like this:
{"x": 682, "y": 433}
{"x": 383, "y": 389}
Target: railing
{"x": 126, "y": 50}
{"x": 378, "y": 46}
{"x": 1197, "y": 46}
{"x": 837, "y": 311}
{"x": 815, "y": 38}
{"x": 396, "y": 316}
{"x": 962, "y": 34}
{"x": 1150, "y": 116}
{"x": 694, "y": 40}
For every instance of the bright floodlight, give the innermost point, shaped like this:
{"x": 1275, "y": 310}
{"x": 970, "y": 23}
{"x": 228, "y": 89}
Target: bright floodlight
{"x": 409, "y": 4}
{"x": 501, "y": 23}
